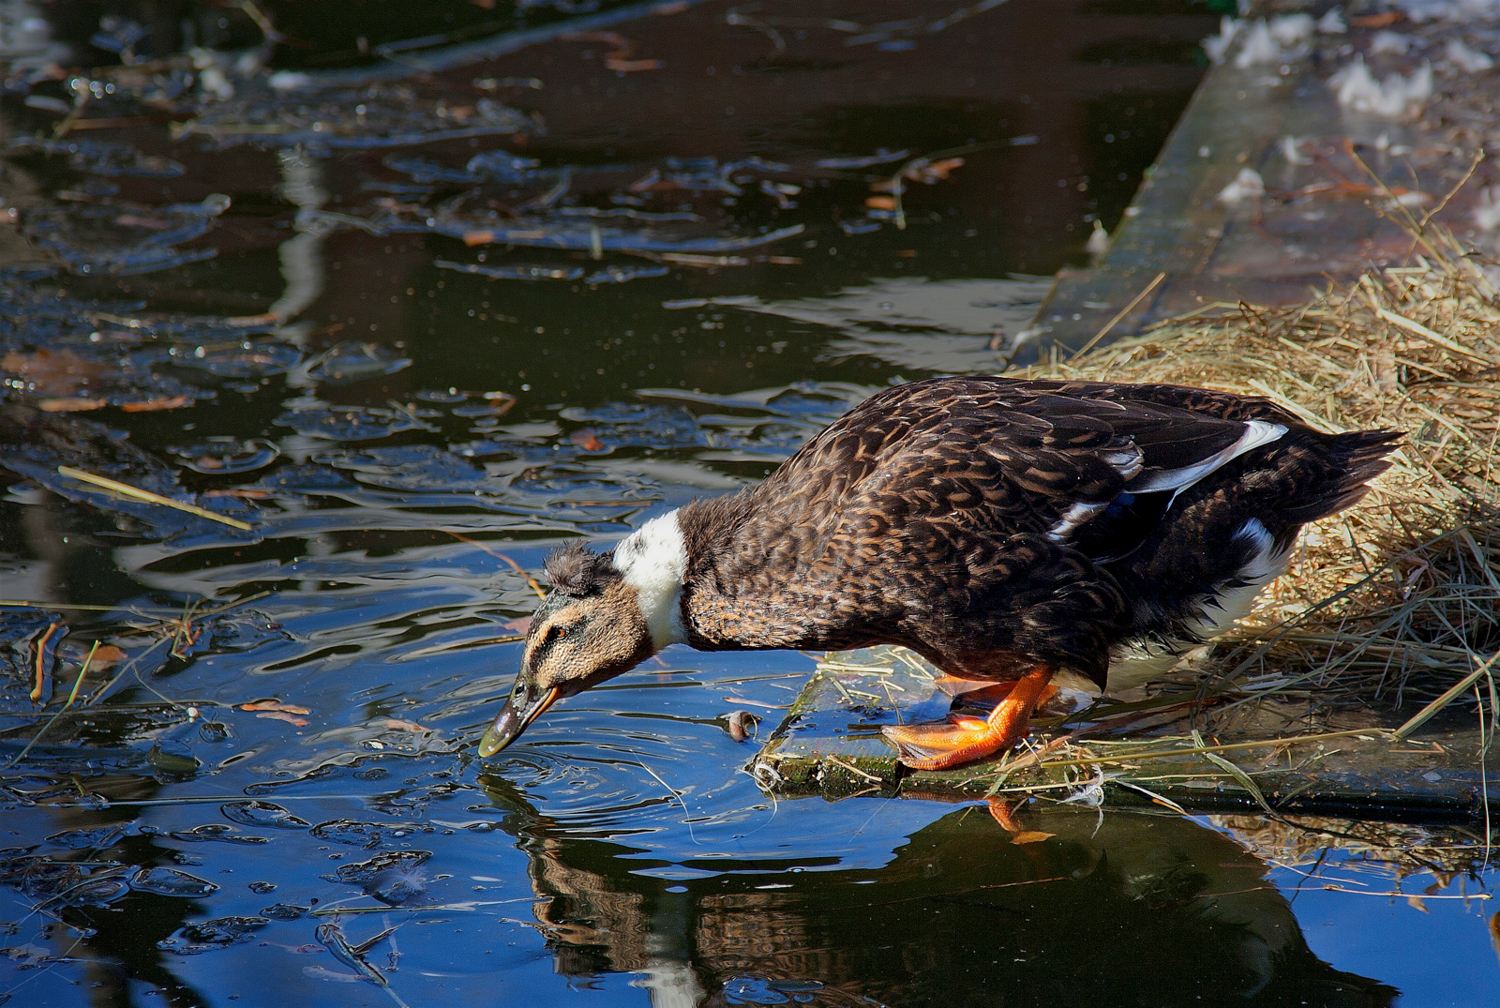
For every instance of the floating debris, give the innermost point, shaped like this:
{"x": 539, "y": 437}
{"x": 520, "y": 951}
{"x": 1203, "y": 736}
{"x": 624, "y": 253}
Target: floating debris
{"x": 223, "y": 456}
{"x": 266, "y": 815}
{"x": 380, "y": 115}
{"x": 221, "y": 932}
{"x": 741, "y": 724}
{"x": 34, "y": 444}
{"x": 103, "y": 236}
{"x": 352, "y": 423}
{"x": 621, "y": 274}
{"x": 354, "y": 361}
{"x": 98, "y": 157}
{"x": 170, "y": 882}
{"x": 514, "y": 272}
{"x": 331, "y": 937}
{"x": 216, "y": 832}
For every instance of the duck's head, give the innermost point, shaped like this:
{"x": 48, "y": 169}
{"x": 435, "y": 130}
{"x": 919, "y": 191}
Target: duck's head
{"x": 592, "y": 626}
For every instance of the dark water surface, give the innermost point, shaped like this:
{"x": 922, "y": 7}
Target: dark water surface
{"x": 248, "y": 792}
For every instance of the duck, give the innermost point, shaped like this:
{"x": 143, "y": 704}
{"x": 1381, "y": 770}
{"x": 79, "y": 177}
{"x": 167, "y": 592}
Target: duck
{"x": 1010, "y": 531}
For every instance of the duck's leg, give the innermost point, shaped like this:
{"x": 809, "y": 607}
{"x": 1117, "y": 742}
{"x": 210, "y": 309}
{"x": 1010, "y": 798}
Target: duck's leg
{"x": 960, "y": 739}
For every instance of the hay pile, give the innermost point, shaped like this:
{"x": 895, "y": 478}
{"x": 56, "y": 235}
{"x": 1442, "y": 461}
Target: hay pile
{"x": 1398, "y": 598}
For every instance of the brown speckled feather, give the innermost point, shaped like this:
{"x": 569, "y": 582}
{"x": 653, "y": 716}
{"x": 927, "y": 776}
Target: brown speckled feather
{"x": 993, "y": 524}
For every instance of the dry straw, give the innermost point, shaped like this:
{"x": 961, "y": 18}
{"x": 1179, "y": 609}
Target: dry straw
{"x": 1398, "y": 599}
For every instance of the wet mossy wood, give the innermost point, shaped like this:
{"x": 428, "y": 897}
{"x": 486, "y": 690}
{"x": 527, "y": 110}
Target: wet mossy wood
{"x": 830, "y": 744}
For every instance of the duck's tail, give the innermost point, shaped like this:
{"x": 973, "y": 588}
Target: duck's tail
{"x": 1361, "y": 455}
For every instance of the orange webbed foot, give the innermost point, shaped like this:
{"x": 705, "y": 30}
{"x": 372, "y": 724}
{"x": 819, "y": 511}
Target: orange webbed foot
{"x": 959, "y": 739}
{"x": 938, "y": 745}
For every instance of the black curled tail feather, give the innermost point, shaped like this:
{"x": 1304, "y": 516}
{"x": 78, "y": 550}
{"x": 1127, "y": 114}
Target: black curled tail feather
{"x": 1360, "y": 456}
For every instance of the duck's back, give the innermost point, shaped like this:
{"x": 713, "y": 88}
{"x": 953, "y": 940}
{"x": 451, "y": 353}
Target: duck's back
{"x": 941, "y": 506}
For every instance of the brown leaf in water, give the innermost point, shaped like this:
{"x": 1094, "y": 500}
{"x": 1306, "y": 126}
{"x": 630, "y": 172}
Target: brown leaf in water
{"x": 472, "y": 238}
{"x": 54, "y": 373}
{"x": 250, "y": 494}
{"x": 152, "y": 405}
{"x": 881, "y": 202}
{"x": 70, "y": 405}
{"x": 631, "y": 66}
{"x": 288, "y": 718}
{"x": 274, "y": 705}
{"x": 406, "y": 726}
{"x": 1031, "y": 836}
{"x": 587, "y": 440}
{"x": 106, "y": 655}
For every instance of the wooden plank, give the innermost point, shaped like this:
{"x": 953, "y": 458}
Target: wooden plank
{"x": 1267, "y": 251}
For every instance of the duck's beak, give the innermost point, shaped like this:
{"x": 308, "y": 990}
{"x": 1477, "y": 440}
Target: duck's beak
{"x": 525, "y": 704}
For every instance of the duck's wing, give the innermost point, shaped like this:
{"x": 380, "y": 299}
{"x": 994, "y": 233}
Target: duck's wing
{"x": 969, "y": 460}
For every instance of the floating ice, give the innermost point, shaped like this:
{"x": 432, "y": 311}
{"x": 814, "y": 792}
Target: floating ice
{"x": 1487, "y": 213}
{"x": 1466, "y": 59}
{"x": 1394, "y": 97}
{"x": 1247, "y": 185}
{"x": 1217, "y": 45}
{"x": 1390, "y": 42}
{"x": 1259, "y": 47}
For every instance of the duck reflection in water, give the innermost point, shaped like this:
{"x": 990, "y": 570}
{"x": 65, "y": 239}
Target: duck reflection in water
{"x": 1136, "y": 909}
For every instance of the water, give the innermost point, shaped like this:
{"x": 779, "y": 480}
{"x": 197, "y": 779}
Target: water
{"x": 256, "y": 789}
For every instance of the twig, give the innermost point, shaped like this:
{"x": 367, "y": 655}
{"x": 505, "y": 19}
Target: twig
{"x": 150, "y": 498}
{"x": 1458, "y": 689}
{"x": 1196, "y": 750}
{"x": 1122, "y": 313}
{"x": 71, "y": 697}
{"x": 41, "y": 660}
{"x": 853, "y": 769}
{"x": 1406, "y": 895}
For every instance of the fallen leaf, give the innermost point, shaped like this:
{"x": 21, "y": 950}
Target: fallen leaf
{"x": 136, "y": 220}
{"x": 106, "y": 655}
{"x": 1376, "y": 20}
{"x": 587, "y": 440}
{"x": 1031, "y": 836}
{"x": 631, "y": 66}
{"x": 58, "y": 373}
{"x": 472, "y": 238}
{"x": 288, "y": 718}
{"x": 935, "y": 172}
{"x": 70, "y": 405}
{"x": 209, "y": 462}
{"x": 152, "y": 405}
{"x": 407, "y": 726}
{"x": 274, "y": 705}
{"x": 881, "y": 202}
{"x": 251, "y": 494}
{"x": 502, "y": 401}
